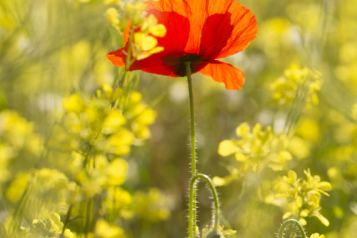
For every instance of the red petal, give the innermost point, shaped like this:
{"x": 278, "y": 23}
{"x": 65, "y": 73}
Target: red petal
{"x": 126, "y": 33}
{"x": 153, "y": 64}
{"x": 215, "y": 34}
{"x": 161, "y": 70}
{"x": 232, "y": 77}
{"x": 193, "y": 11}
{"x": 174, "y": 42}
{"x": 244, "y": 31}
{"x": 200, "y": 13}
{"x": 117, "y": 57}
{"x": 178, "y": 28}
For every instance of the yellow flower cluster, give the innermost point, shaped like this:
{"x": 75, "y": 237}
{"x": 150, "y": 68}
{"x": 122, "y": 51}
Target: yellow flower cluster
{"x": 105, "y": 230}
{"x": 48, "y": 189}
{"x": 354, "y": 111}
{"x": 255, "y": 150}
{"x": 85, "y": 146}
{"x": 118, "y": 202}
{"x": 317, "y": 235}
{"x": 142, "y": 43}
{"x": 296, "y": 82}
{"x": 209, "y": 232}
{"x": 101, "y": 174}
{"x": 300, "y": 198}
{"x": 151, "y": 206}
{"x": 17, "y": 138}
{"x": 94, "y": 125}
{"x": 345, "y": 71}
{"x": 51, "y": 226}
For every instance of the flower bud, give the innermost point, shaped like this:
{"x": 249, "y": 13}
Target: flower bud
{"x": 215, "y": 234}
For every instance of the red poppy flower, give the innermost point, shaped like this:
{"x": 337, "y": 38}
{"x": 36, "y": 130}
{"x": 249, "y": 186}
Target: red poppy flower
{"x": 199, "y": 31}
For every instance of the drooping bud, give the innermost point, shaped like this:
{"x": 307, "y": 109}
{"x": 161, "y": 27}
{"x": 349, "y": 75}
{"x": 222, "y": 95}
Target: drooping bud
{"x": 215, "y": 234}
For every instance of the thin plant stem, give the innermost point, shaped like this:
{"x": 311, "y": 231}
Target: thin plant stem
{"x": 88, "y": 217}
{"x": 20, "y": 205}
{"x": 214, "y": 194}
{"x": 68, "y": 218}
{"x": 192, "y": 198}
{"x": 291, "y": 222}
{"x": 192, "y": 114}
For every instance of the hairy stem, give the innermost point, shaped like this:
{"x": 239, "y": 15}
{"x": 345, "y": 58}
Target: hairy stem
{"x": 291, "y": 222}
{"x": 192, "y": 114}
{"x": 192, "y": 199}
{"x": 214, "y": 194}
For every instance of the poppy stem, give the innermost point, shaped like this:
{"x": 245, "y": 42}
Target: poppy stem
{"x": 214, "y": 194}
{"x": 192, "y": 198}
{"x": 192, "y": 114}
{"x": 291, "y": 222}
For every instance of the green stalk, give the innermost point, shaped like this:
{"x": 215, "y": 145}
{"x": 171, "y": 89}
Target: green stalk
{"x": 192, "y": 198}
{"x": 88, "y": 217}
{"x": 192, "y": 114}
{"x": 214, "y": 194}
{"x": 68, "y": 219}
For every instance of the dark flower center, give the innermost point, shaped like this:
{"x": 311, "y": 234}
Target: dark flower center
{"x": 180, "y": 70}
{"x": 179, "y": 63}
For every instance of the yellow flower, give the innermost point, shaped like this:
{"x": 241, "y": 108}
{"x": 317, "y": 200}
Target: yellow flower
{"x": 317, "y": 235}
{"x": 302, "y": 196}
{"x": 286, "y": 88}
{"x": 255, "y": 149}
{"x": 106, "y": 230}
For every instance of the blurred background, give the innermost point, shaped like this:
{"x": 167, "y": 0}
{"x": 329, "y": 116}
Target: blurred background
{"x": 58, "y": 176}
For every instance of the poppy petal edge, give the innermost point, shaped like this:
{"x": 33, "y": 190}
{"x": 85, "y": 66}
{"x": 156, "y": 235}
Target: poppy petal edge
{"x": 233, "y": 78}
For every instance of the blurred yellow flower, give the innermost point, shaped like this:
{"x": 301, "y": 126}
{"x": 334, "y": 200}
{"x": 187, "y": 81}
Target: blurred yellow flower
{"x": 106, "y": 230}
{"x": 255, "y": 149}
{"x": 295, "y": 81}
{"x": 300, "y": 198}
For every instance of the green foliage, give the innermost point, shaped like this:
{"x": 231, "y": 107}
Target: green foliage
{"x": 84, "y": 152}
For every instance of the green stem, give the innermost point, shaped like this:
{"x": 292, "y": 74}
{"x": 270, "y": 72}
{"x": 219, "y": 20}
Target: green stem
{"x": 214, "y": 194}
{"x": 192, "y": 114}
{"x": 88, "y": 217}
{"x": 128, "y": 63}
{"x": 19, "y": 206}
{"x": 291, "y": 222}
{"x": 68, "y": 218}
{"x": 192, "y": 199}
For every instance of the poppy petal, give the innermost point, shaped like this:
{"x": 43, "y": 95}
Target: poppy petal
{"x": 174, "y": 43}
{"x": 161, "y": 70}
{"x": 221, "y": 72}
{"x": 177, "y": 31}
{"x": 126, "y": 33}
{"x": 215, "y": 25}
{"x": 244, "y": 31}
{"x": 117, "y": 57}
{"x": 192, "y": 10}
{"x": 153, "y": 64}
{"x": 199, "y": 12}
